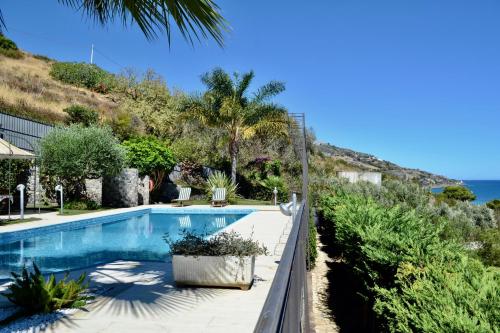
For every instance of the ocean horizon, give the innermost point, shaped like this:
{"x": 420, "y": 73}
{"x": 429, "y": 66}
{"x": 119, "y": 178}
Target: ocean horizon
{"x": 485, "y": 190}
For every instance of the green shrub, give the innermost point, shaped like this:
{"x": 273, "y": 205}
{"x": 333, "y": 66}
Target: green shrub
{"x": 34, "y": 294}
{"x": 83, "y": 75}
{"x": 312, "y": 251}
{"x": 220, "y": 180}
{"x": 43, "y": 58}
{"x": 76, "y": 153}
{"x": 451, "y": 194}
{"x": 79, "y": 114}
{"x": 416, "y": 281}
{"x": 19, "y": 173}
{"x": 151, "y": 157}
{"x": 7, "y": 44}
{"x": 222, "y": 244}
{"x": 489, "y": 251}
{"x": 493, "y": 204}
{"x": 14, "y": 54}
{"x": 269, "y": 184}
{"x": 441, "y": 297}
{"x": 85, "y": 204}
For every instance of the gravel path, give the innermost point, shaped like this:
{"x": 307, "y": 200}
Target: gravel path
{"x": 323, "y": 317}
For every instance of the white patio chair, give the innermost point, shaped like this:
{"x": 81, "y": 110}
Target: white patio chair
{"x": 219, "y": 197}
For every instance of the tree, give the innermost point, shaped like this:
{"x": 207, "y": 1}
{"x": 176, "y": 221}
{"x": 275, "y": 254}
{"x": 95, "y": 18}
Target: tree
{"x": 76, "y": 153}
{"x": 226, "y": 105}
{"x": 151, "y": 157}
{"x": 80, "y": 114}
{"x": 194, "y": 19}
{"x": 458, "y": 193}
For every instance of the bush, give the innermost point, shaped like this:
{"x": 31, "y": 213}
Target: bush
{"x": 19, "y": 174}
{"x": 7, "y": 44}
{"x": 34, "y": 294}
{"x": 85, "y": 204}
{"x": 415, "y": 281}
{"x": 269, "y": 184}
{"x": 14, "y": 54}
{"x": 312, "y": 252}
{"x": 151, "y": 157}
{"x": 456, "y": 193}
{"x": 79, "y": 114}
{"x": 83, "y": 75}
{"x": 222, "y": 244}
{"x": 76, "y": 153}
{"x": 220, "y": 180}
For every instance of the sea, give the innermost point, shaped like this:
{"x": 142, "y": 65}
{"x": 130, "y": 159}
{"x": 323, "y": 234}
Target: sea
{"x": 485, "y": 190}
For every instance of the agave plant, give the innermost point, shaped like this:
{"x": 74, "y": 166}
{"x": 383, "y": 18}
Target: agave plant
{"x": 34, "y": 294}
{"x": 220, "y": 180}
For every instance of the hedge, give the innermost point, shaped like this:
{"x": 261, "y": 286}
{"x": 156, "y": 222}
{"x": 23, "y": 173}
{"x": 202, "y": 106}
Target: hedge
{"x": 415, "y": 281}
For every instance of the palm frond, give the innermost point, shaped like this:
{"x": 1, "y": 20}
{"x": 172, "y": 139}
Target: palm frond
{"x": 268, "y": 90}
{"x": 2, "y": 23}
{"x": 266, "y": 112}
{"x": 218, "y": 82}
{"x": 243, "y": 84}
{"x": 194, "y": 19}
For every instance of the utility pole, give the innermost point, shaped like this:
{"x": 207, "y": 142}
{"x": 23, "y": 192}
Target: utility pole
{"x": 92, "y": 55}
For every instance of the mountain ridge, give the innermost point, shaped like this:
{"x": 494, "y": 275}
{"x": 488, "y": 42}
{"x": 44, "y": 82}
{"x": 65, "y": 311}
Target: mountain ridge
{"x": 358, "y": 161}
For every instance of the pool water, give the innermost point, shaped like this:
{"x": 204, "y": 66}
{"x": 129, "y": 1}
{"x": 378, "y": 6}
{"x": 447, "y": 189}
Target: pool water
{"x": 134, "y": 238}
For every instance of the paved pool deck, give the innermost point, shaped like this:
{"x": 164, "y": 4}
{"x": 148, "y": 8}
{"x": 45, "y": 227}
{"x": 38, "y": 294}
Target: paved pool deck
{"x": 142, "y": 296}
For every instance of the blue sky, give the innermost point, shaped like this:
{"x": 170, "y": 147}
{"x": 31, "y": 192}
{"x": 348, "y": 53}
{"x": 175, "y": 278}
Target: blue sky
{"x": 413, "y": 82}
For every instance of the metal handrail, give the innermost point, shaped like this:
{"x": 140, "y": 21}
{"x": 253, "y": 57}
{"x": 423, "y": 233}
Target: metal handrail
{"x": 272, "y": 314}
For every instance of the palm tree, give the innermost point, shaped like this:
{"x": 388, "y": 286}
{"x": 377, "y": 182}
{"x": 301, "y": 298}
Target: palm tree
{"x": 227, "y": 105}
{"x": 194, "y": 18}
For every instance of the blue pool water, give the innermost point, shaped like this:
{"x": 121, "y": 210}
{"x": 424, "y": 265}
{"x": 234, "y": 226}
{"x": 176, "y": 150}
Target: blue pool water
{"x": 86, "y": 243}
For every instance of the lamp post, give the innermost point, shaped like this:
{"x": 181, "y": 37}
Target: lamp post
{"x": 20, "y": 188}
{"x": 60, "y": 189}
{"x": 275, "y": 192}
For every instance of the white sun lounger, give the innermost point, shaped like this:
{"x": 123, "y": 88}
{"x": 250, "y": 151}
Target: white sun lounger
{"x": 219, "y": 197}
{"x": 184, "y": 195}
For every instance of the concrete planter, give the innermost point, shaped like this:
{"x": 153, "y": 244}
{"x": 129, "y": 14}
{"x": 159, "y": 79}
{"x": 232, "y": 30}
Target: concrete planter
{"x": 214, "y": 271}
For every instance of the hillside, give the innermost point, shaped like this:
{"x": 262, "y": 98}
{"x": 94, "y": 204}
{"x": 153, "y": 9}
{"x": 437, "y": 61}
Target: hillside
{"x": 27, "y": 89}
{"x": 347, "y": 159}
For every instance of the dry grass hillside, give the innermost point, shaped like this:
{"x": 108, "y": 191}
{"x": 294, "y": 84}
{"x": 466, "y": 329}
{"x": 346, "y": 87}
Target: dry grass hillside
{"x": 27, "y": 89}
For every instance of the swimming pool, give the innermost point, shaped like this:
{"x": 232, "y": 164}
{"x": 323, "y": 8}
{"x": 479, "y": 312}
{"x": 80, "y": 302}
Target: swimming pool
{"x": 136, "y": 235}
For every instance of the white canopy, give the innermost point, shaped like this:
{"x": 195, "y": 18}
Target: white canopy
{"x": 9, "y": 151}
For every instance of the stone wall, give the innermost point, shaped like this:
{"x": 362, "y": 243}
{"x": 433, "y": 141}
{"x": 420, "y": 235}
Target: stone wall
{"x": 121, "y": 190}
{"x": 143, "y": 190}
{"x": 94, "y": 189}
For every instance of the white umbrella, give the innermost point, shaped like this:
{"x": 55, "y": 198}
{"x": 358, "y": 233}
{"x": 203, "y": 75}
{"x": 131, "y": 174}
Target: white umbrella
{"x": 9, "y": 151}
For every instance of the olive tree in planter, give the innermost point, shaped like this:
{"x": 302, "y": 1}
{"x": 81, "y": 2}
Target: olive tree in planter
{"x": 223, "y": 260}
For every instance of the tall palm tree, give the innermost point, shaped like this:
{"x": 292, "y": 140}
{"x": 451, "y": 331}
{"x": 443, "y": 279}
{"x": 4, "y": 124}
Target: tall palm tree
{"x": 194, "y": 18}
{"x": 227, "y": 105}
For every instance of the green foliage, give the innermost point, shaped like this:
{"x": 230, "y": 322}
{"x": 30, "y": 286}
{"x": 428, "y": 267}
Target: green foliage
{"x": 43, "y": 58}
{"x": 79, "y": 114}
{"x": 442, "y": 297}
{"x": 494, "y": 204}
{"x": 150, "y": 156}
{"x": 125, "y": 125}
{"x": 416, "y": 281}
{"x": 268, "y": 186}
{"x": 7, "y": 44}
{"x": 151, "y": 101}
{"x": 489, "y": 250}
{"x": 83, "y": 75}
{"x": 19, "y": 173}
{"x": 34, "y": 294}
{"x": 76, "y": 153}
{"x": 221, "y": 244}
{"x": 456, "y": 193}
{"x": 220, "y": 180}
{"x": 84, "y": 204}
{"x": 312, "y": 251}
{"x": 9, "y": 49}
{"x": 227, "y": 105}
